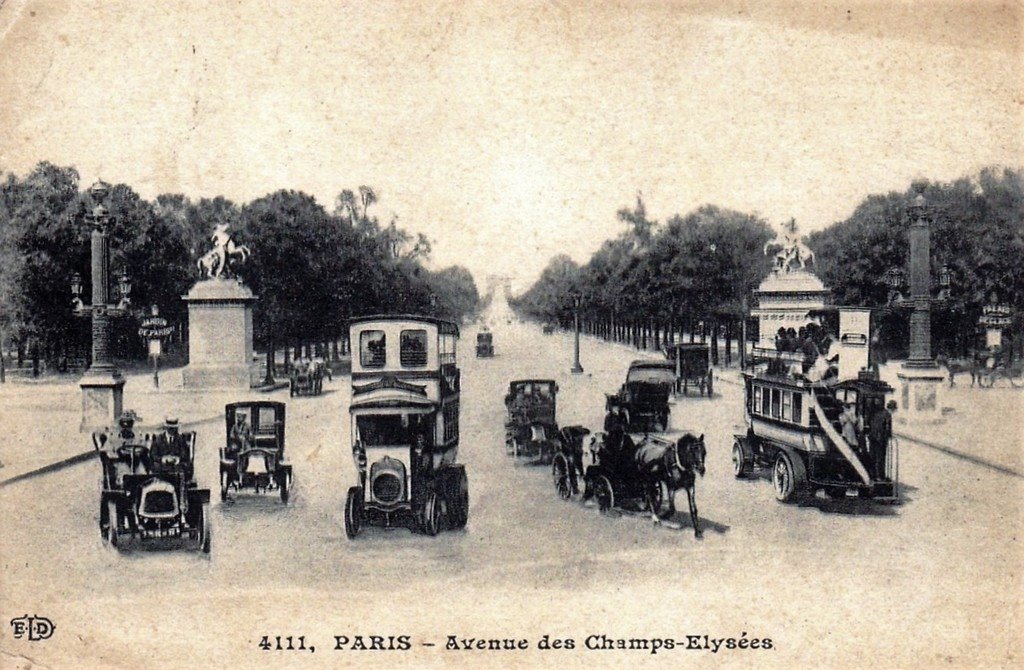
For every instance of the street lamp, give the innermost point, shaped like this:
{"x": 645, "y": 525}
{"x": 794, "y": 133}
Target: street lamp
{"x": 893, "y": 278}
{"x": 102, "y": 384}
{"x": 577, "y": 298}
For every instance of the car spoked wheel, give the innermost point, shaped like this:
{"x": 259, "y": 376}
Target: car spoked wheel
{"x": 109, "y": 522}
{"x": 787, "y": 478}
{"x": 560, "y": 475}
{"x": 353, "y": 512}
{"x": 204, "y": 528}
{"x": 458, "y": 511}
{"x": 740, "y": 467}
{"x": 284, "y": 483}
{"x": 604, "y": 493}
{"x": 432, "y": 514}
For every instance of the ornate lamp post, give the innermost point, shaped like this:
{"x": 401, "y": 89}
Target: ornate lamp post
{"x": 576, "y": 300}
{"x": 920, "y": 377}
{"x": 102, "y": 384}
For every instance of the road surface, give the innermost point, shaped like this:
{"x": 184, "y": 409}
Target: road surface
{"x": 935, "y": 581}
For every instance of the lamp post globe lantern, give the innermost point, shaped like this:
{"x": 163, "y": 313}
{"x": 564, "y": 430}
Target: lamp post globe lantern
{"x": 577, "y": 300}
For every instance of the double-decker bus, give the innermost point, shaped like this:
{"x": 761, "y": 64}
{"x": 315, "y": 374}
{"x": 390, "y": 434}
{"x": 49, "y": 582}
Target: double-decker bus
{"x": 405, "y": 425}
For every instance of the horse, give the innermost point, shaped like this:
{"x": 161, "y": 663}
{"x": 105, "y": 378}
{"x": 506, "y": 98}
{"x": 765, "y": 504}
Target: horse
{"x": 216, "y": 260}
{"x": 671, "y": 466}
{"x": 957, "y": 365}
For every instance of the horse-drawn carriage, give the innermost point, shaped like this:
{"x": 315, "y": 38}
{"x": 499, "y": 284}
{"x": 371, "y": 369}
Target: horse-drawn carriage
{"x": 484, "y": 344}
{"x": 531, "y": 427}
{"x": 405, "y": 426}
{"x": 307, "y": 378}
{"x": 642, "y": 470}
{"x": 642, "y": 401}
{"x": 692, "y": 363}
{"x": 148, "y": 489}
{"x": 253, "y": 453}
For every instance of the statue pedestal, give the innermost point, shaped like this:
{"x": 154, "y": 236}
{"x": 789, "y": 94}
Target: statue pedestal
{"x": 219, "y": 335}
{"x": 102, "y": 399}
{"x": 919, "y": 394}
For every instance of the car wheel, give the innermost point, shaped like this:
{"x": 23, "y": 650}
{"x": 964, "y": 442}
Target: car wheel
{"x": 204, "y": 528}
{"x": 283, "y": 484}
{"x": 560, "y": 475}
{"x": 459, "y": 512}
{"x": 109, "y": 522}
{"x": 432, "y": 514}
{"x": 740, "y": 469}
{"x": 353, "y": 512}
{"x": 604, "y": 493}
{"x": 224, "y": 479}
{"x": 787, "y": 478}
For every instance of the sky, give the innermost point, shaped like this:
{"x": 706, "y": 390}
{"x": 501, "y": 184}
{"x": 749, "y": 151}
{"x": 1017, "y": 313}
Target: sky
{"x": 512, "y": 132}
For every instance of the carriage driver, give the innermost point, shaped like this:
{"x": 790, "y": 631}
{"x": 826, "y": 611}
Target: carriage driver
{"x": 125, "y": 437}
{"x": 241, "y": 436}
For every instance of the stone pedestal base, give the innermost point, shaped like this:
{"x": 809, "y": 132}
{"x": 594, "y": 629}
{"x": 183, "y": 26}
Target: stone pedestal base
{"x": 102, "y": 400}
{"x": 919, "y": 394}
{"x": 219, "y": 335}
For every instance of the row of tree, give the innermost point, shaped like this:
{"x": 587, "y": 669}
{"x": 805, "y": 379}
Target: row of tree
{"x": 311, "y": 269}
{"x": 695, "y": 273}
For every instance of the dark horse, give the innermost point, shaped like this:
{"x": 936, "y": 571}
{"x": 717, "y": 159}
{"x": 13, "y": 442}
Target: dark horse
{"x": 665, "y": 468}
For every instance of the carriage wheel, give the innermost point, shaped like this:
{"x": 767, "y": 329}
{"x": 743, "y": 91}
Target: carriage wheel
{"x": 711, "y": 384}
{"x": 291, "y": 389}
{"x": 986, "y": 379}
{"x": 786, "y": 478}
{"x": 740, "y": 467}
{"x": 560, "y": 475}
{"x": 432, "y": 515}
{"x": 109, "y": 529}
{"x": 459, "y": 512}
{"x": 224, "y": 485}
{"x": 353, "y": 512}
{"x": 662, "y": 503}
{"x": 204, "y": 528}
{"x": 604, "y": 493}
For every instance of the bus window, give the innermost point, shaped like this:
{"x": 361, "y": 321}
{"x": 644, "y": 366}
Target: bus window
{"x": 372, "y": 345}
{"x": 797, "y": 407}
{"x": 776, "y": 402}
{"x": 766, "y": 402}
{"x": 756, "y": 408}
{"x": 412, "y": 348}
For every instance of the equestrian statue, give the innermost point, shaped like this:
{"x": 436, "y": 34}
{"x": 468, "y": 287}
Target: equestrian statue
{"x": 216, "y": 262}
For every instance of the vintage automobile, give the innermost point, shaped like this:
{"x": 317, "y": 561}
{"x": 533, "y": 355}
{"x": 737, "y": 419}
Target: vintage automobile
{"x": 692, "y": 362}
{"x": 148, "y": 490}
{"x": 531, "y": 427}
{"x": 253, "y": 453}
{"x": 644, "y": 471}
{"x": 405, "y": 425}
{"x": 307, "y": 378}
{"x": 484, "y": 344}
{"x": 793, "y": 426}
{"x": 642, "y": 401}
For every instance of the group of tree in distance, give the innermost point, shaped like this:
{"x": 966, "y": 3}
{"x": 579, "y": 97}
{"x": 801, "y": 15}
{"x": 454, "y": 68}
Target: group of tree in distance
{"x": 310, "y": 268}
{"x": 697, "y": 272}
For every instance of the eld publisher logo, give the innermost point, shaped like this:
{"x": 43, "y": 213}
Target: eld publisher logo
{"x": 36, "y": 627}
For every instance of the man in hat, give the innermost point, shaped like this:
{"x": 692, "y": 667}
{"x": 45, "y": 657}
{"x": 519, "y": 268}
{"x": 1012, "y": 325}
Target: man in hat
{"x": 123, "y": 461}
{"x": 168, "y": 446}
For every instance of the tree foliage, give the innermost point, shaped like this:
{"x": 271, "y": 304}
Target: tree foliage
{"x": 311, "y": 269}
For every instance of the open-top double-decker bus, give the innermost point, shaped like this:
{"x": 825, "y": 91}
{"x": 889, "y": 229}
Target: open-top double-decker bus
{"x": 405, "y": 425}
